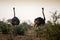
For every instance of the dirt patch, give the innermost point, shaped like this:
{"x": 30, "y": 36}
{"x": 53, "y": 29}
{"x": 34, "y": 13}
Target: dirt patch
{"x": 11, "y": 37}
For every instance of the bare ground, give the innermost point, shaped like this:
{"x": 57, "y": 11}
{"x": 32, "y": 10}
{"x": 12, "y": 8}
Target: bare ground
{"x": 11, "y": 37}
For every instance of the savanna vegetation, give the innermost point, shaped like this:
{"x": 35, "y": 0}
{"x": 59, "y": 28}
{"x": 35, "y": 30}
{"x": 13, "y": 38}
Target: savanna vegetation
{"x": 50, "y": 31}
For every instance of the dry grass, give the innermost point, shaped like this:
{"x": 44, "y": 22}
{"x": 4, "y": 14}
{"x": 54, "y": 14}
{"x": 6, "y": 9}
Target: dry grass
{"x": 8, "y": 37}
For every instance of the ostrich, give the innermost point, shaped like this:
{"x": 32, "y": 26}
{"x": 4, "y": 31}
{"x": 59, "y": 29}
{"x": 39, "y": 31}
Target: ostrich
{"x": 39, "y": 21}
{"x": 15, "y": 20}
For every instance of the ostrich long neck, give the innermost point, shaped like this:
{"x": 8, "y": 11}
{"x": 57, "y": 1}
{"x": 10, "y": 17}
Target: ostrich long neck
{"x": 14, "y": 11}
{"x": 43, "y": 13}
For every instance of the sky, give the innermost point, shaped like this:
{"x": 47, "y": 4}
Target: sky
{"x": 28, "y": 10}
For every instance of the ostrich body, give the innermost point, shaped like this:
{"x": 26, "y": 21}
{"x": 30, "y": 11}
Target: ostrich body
{"x": 39, "y": 21}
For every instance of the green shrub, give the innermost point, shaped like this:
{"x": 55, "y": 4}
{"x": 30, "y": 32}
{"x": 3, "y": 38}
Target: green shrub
{"x": 19, "y": 30}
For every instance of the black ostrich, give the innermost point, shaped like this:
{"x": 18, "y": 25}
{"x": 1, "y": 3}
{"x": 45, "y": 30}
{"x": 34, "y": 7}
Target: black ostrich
{"x": 40, "y": 21}
{"x": 15, "y": 20}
